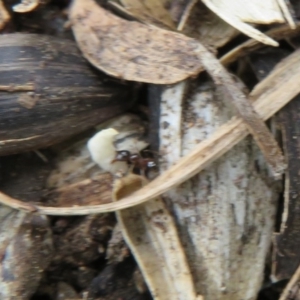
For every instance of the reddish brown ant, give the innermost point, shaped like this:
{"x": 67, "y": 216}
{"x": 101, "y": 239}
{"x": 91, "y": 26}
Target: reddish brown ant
{"x": 135, "y": 160}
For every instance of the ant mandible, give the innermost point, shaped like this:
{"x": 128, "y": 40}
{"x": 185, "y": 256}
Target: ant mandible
{"x": 135, "y": 160}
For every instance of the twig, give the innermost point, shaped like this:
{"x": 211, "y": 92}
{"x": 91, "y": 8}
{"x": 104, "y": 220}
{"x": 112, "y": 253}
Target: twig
{"x": 255, "y": 124}
{"x": 15, "y": 203}
{"x": 251, "y": 45}
{"x": 186, "y": 14}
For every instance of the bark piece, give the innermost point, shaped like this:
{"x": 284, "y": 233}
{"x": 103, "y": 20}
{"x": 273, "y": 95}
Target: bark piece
{"x": 86, "y": 192}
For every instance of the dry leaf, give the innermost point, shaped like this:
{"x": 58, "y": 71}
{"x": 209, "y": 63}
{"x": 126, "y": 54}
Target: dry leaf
{"x": 150, "y": 232}
{"x": 131, "y": 50}
{"x": 278, "y": 33}
{"x": 255, "y": 11}
{"x": 4, "y": 15}
{"x": 149, "y": 11}
{"x": 223, "y": 10}
{"x": 140, "y": 63}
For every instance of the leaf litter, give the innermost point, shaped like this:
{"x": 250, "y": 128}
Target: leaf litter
{"x": 134, "y": 51}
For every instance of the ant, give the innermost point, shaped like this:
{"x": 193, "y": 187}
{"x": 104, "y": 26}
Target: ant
{"x": 135, "y": 160}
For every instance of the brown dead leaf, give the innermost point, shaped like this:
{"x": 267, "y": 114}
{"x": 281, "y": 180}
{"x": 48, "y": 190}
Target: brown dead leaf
{"x": 131, "y": 50}
{"x": 4, "y": 15}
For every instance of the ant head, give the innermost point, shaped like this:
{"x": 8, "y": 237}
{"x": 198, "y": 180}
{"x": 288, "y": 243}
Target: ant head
{"x": 122, "y": 155}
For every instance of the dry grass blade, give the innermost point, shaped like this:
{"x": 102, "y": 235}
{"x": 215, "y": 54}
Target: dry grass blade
{"x": 251, "y": 45}
{"x": 150, "y": 232}
{"x": 255, "y": 11}
{"x": 238, "y": 24}
{"x": 276, "y": 90}
{"x": 255, "y": 124}
{"x": 15, "y": 203}
{"x": 286, "y": 13}
{"x": 131, "y": 50}
{"x": 186, "y": 14}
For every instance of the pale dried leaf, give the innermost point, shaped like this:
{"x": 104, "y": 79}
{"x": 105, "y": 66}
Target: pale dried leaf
{"x": 282, "y": 32}
{"x": 255, "y": 11}
{"x": 131, "y": 50}
{"x": 4, "y": 15}
{"x": 26, "y": 6}
{"x": 283, "y": 4}
{"x": 235, "y": 21}
{"x": 149, "y": 11}
{"x": 150, "y": 232}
